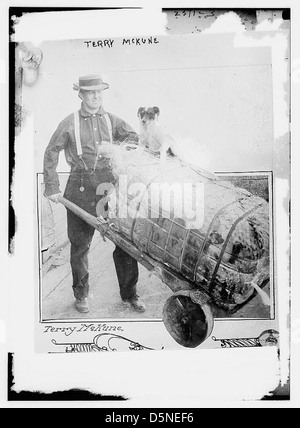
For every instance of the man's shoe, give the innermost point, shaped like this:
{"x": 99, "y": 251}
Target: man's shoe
{"x": 136, "y": 304}
{"x": 81, "y": 305}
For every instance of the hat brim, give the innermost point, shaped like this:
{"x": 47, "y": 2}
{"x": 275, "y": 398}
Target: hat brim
{"x": 101, "y": 87}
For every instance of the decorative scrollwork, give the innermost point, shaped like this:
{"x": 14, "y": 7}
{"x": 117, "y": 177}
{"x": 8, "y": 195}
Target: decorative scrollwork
{"x": 267, "y": 338}
{"x": 103, "y": 343}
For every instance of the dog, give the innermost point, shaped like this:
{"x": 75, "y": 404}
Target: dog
{"x": 153, "y": 136}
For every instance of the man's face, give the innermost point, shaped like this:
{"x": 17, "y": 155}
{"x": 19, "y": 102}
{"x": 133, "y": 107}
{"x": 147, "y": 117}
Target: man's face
{"x": 92, "y": 99}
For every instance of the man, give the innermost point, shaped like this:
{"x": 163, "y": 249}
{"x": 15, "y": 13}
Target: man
{"x": 80, "y": 135}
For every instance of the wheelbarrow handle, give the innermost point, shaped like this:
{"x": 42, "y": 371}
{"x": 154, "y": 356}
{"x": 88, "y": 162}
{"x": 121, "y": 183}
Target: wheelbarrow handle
{"x": 88, "y": 218}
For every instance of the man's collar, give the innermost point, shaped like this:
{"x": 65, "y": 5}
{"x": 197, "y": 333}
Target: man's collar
{"x": 86, "y": 114}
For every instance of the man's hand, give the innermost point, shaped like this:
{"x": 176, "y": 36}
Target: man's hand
{"x": 54, "y": 198}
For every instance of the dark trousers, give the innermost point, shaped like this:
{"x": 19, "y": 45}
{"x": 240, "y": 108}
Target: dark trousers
{"x": 81, "y": 234}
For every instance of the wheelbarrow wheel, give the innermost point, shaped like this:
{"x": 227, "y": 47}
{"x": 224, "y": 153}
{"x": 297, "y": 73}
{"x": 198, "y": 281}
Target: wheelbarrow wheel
{"x": 188, "y": 320}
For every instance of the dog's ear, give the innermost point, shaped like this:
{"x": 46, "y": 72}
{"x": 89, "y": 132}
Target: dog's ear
{"x": 156, "y": 110}
{"x": 140, "y": 111}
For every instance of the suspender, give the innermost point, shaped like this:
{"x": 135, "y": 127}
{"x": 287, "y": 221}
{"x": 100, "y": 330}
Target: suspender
{"x": 77, "y": 131}
{"x": 109, "y": 127}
